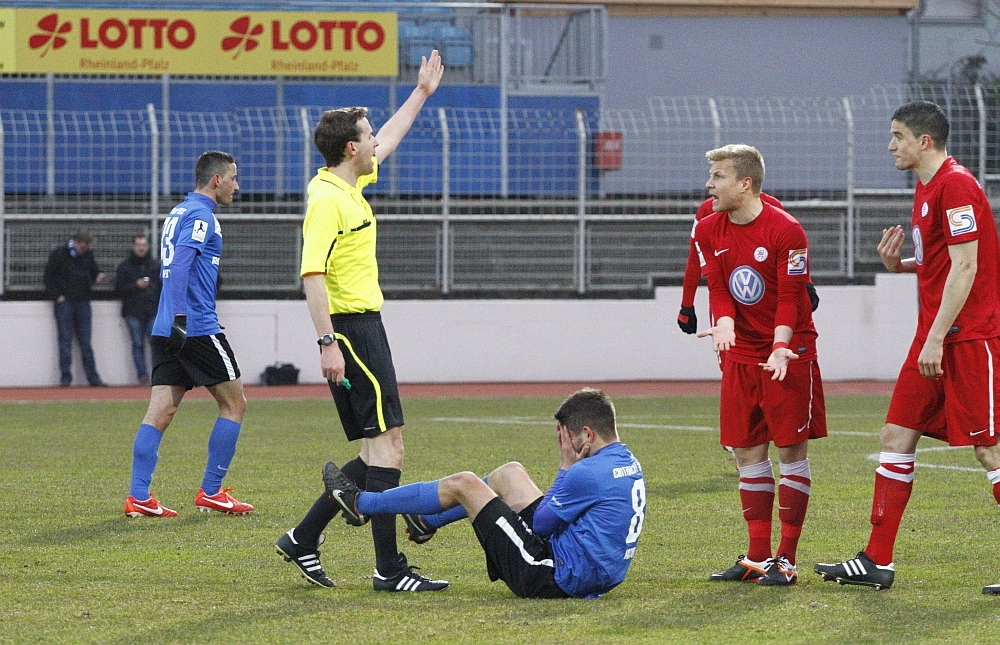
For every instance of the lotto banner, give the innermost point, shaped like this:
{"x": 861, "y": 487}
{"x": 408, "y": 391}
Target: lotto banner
{"x": 230, "y": 43}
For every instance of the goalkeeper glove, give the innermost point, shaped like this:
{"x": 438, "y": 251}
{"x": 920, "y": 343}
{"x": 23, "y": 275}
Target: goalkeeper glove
{"x": 687, "y": 320}
{"x": 813, "y": 296}
{"x": 178, "y": 334}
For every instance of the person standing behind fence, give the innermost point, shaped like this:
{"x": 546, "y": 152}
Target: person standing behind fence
{"x": 69, "y": 275}
{"x": 189, "y": 348}
{"x": 137, "y": 283}
{"x": 340, "y": 279}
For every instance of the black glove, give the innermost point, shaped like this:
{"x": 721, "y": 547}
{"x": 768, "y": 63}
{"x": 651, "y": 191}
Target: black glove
{"x": 178, "y": 335}
{"x": 813, "y": 296}
{"x": 687, "y": 320}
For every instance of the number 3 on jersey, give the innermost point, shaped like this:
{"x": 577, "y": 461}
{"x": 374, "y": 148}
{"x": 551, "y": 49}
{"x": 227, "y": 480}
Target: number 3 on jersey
{"x": 167, "y": 243}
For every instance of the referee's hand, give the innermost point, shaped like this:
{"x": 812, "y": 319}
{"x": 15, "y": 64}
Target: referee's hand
{"x": 331, "y": 361}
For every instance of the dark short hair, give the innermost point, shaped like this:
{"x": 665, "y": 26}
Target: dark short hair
{"x": 138, "y": 236}
{"x": 588, "y": 407}
{"x": 924, "y": 117}
{"x": 211, "y": 163}
{"x": 335, "y": 129}
{"x": 83, "y": 235}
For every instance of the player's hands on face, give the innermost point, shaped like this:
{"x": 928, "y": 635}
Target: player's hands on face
{"x": 568, "y": 454}
{"x": 331, "y": 361}
{"x": 723, "y": 337}
{"x": 777, "y": 363}
{"x": 890, "y": 248}
{"x": 929, "y": 361}
{"x": 430, "y": 73}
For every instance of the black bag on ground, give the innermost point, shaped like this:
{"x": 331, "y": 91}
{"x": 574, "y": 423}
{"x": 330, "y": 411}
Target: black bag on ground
{"x": 280, "y": 374}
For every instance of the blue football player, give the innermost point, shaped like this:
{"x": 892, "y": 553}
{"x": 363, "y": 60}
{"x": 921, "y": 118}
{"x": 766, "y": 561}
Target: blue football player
{"x": 188, "y": 346}
{"x": 575, "y": 541}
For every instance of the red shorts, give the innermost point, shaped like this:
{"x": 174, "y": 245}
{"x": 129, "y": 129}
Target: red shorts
{"x": 959, "y": 406}
{"x": 754, "y": 410}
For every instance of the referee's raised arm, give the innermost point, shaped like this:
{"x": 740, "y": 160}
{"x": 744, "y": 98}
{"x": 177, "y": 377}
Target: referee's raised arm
{"x": 393, "y": 131}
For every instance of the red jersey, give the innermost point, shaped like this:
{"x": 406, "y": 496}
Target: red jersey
{"x": 757, "y": 275}
{"x": 692, "y": 272}
{"x": 951, "y": 209}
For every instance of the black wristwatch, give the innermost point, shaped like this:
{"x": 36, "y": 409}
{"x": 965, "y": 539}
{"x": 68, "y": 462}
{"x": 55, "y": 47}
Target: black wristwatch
{"x": 326, "y": 340}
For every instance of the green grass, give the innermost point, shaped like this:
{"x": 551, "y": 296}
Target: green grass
{"x": 74, "y": 569}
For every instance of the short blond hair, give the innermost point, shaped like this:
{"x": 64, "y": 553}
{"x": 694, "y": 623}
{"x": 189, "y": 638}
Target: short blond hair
{"x": 747, "y": 162}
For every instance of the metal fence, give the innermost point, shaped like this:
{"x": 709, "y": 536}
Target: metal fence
{"x": 475, "y": 201}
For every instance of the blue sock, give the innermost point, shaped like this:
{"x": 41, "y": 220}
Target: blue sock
{"x": 437, "y": 520}
{"x": 221, "y": 448}
{"x": 421, "y": 497}
{"x": 144, "y": 457}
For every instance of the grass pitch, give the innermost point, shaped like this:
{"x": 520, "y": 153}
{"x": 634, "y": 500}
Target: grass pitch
{"x": 74, "y": 569}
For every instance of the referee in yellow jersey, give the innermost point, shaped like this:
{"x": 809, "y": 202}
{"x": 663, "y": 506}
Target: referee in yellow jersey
{"x": 340, "y": 278}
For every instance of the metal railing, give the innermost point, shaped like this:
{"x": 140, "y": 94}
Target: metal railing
{"x": 451, "y": 221}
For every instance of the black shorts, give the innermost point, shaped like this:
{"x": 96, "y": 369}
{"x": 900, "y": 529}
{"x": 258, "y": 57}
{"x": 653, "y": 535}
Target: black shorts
{"x": 514, "y": 553}
{"x": 372, "y": 404}
{"x": 203, "y": 361}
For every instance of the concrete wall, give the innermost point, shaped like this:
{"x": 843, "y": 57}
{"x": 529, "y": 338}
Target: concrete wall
{"x": 764, "y": 56}
{"x": 864, "y": 334}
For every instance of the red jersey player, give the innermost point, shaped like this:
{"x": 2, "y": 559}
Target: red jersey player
{"x": 687, "y": 319}
{"x": 756, "y": 259}
{"x": 946, "y": 388}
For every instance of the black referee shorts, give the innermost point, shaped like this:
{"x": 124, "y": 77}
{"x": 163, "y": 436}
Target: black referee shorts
{"x": 203, "y": 361}
{"x": 515, "y": 554}
{"x": 372, "y": 404}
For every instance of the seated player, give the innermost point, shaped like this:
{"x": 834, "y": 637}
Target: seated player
{"x": 576, "y": 541}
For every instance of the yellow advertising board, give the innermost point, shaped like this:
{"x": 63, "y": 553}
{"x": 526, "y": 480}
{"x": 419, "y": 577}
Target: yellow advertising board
{"x": 218, "y": 43}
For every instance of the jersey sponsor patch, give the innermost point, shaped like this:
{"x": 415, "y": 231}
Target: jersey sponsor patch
{"x": 797, "y": 261}
{"x": 760, "y": 254}
{"x": 746, "y": 285}
{"x": 961, "y": 220}
{"x": 918, "y": 246}
{"x": 199, "y": 231}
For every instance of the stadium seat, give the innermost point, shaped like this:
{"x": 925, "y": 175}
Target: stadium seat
{"x": 456, "y": 46}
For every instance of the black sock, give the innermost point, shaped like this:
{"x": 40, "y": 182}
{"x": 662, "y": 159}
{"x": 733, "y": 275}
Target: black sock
{"x": 323, "y": 510}
{"x": 357, "y": 471}
{"x": 384, "y": 526}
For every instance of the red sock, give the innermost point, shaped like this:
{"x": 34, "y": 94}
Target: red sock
{"x": 893, "y": 483}
{"x": 757, "y": 497}
{"x": 793, "y": 499}
{"x": 994, "y": 477}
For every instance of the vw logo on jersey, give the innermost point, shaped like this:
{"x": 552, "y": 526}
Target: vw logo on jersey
{"x": 918, "y": 245}
{"x": 746, "y": 285}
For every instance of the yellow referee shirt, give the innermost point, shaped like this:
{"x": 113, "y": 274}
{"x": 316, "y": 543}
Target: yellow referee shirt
{"x": 338, "y": 239}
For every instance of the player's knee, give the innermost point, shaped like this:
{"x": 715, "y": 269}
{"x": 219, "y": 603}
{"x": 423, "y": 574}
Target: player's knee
{"x": 988, "y": 456}
{"x": 460, "y": 482}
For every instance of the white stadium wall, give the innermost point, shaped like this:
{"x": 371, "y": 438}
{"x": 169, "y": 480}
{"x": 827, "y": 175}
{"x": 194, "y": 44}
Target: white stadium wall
{"x": 865, "y": 332}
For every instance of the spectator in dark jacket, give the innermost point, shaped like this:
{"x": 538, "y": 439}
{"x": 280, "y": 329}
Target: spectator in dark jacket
{"x": 137, "y": 283}
{"x": 69, "y": 276}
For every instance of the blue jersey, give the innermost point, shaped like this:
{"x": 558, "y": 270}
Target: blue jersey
{"x": 192, "y": 224}
{"x": 603, "y": 499}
